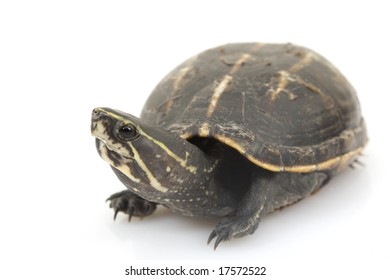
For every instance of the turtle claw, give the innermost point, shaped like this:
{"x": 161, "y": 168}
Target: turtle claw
{"x": 232, "y": 227}
{"x": 221, "y": 236}
{"x": 219, "y": 239}
{"x": 131, "y": 204}
{"x": 213, "y": 234}
{"x": 116, "y": 213}
{"x": 130, "y": 212}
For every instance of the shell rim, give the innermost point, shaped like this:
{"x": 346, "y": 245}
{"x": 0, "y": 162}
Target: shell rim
{"x": 336, "y": 163}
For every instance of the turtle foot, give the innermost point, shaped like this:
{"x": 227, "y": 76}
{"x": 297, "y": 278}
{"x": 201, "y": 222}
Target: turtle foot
{"x": 233, "y": 227}
{"x": 131, "y": 204}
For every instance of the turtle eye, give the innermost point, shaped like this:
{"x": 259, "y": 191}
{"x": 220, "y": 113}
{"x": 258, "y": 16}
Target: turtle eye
{"x": 127, "y": 132}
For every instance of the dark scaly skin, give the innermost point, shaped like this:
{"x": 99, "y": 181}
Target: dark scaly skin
{"x": 243, "y": 201}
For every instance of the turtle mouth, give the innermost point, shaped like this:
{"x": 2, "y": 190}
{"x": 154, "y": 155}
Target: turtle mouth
{"x": 100, "y": 144}
{"x": 103, "y": 146}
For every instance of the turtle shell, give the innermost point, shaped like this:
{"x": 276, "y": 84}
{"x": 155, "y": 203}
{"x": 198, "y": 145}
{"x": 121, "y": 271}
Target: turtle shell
{"x": 284, "y": 107}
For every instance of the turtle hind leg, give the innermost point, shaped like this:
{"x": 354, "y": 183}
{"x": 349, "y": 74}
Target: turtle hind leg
{"x": 131, "y": 204}
{"x": 267, "y": 192}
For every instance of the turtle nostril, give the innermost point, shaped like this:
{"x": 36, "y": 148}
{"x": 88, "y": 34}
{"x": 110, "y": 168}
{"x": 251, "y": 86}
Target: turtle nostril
{"x": 95, "y": 113}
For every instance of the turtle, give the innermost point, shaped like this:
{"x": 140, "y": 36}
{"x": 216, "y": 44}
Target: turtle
{"x": 235, "y": 132}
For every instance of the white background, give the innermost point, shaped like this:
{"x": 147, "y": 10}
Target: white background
{"x": 60, "y": 59}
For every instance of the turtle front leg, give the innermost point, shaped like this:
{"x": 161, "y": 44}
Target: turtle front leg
{"x": 131, "y": 204}
{"x": 268, "y": 191}
{"x": 246, "y": 218}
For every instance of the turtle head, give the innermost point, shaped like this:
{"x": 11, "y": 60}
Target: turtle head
{"x": 150, "y": 161}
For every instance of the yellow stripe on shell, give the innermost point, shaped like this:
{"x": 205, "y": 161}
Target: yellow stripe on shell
{"x": 204, "y": 130}
{"x": 283, "y": 81}
{"x": 218, "y": 91}
{"x": 176, "y": 85}
{"x": 305, "y": 61}
{"x": 337, "y": 163}
{"x": 221, "y": 87}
